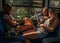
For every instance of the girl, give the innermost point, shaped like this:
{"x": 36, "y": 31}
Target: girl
{"x": 50, "y": 24}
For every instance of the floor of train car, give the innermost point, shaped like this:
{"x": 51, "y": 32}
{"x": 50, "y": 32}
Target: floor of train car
{"x": 24, "y": 42}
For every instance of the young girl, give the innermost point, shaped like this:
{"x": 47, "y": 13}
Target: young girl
{"x": 50, "y": 24}
{"x": 9, "y": 23}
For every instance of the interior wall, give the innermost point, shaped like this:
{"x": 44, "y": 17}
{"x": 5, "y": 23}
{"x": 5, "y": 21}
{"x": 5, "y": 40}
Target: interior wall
{"x": 0, "y": 5}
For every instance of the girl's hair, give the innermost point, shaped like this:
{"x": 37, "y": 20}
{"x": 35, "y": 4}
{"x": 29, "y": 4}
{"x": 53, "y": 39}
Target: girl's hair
{"x": 45, "y": 9}
{"x": 52, "y": 10}
{"x": 7, "y": 8}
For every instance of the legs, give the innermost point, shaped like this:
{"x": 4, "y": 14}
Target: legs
{"x": 27, "y": 40}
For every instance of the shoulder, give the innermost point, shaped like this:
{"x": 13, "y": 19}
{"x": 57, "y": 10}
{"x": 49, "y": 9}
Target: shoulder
{"x": 5, "y": 16}
{"x": 54, "y": 21}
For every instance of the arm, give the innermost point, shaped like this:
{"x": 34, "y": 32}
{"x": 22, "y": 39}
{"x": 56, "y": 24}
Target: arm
{"x": 50, "y": 29}
{"x": 43, "y": 20}
{"x": 8, "y": 20}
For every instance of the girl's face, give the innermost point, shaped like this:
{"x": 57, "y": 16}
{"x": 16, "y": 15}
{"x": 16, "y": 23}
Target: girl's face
{"x": 11, "y": 12}
{"x": 51, "y": 14}
{"x": 44, "y": 11}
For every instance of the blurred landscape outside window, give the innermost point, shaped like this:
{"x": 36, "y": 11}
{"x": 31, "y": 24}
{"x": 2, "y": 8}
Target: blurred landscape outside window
{"x": 20, "y": 12}
{"x": 54, "y": 3}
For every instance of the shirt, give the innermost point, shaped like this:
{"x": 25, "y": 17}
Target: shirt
{"x": 43, "y": 32}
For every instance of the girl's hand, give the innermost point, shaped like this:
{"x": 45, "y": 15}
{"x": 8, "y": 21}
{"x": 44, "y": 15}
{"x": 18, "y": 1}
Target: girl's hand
{"x": 41, "y": 25}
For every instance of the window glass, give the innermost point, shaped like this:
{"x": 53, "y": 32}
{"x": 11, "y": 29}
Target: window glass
{"x": 54, "y": 3}
{"x": 25, "y": 8}
{"x": 21, "y": 12}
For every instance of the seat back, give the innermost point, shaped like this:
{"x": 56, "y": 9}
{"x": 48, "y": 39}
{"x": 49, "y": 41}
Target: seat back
{"x": 1, "y": 25}
{"x": 53, "y": 34}
{"x": 59, "y": 32}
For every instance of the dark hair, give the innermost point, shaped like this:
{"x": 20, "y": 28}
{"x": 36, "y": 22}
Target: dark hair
{"x": 7, "y": 8}
{"x": 45, "y": 9}
{"x": 53, "y": 10}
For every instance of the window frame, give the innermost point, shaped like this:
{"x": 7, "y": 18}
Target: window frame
{"x": 30, "y": 5}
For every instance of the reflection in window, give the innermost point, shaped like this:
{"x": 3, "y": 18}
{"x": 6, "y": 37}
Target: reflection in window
{"x": 54, "y": 3}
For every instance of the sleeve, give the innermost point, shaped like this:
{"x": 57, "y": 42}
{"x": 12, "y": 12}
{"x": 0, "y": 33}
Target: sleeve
{"x": 8, "y": 20}
{"x": 5, "y": 17}
{"x": 53, "y": 24}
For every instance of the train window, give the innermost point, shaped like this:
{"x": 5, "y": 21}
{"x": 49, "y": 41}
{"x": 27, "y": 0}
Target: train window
{"x": 25, "y": 2}
{"x": 38, "y": 3}
{"x": 20, "y": 2}
{"x": 54, "y": 3}
{"x": 25, "y": 8}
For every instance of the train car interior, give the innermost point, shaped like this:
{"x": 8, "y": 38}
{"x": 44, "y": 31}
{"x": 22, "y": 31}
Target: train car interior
{"x": 28, "y": 9}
